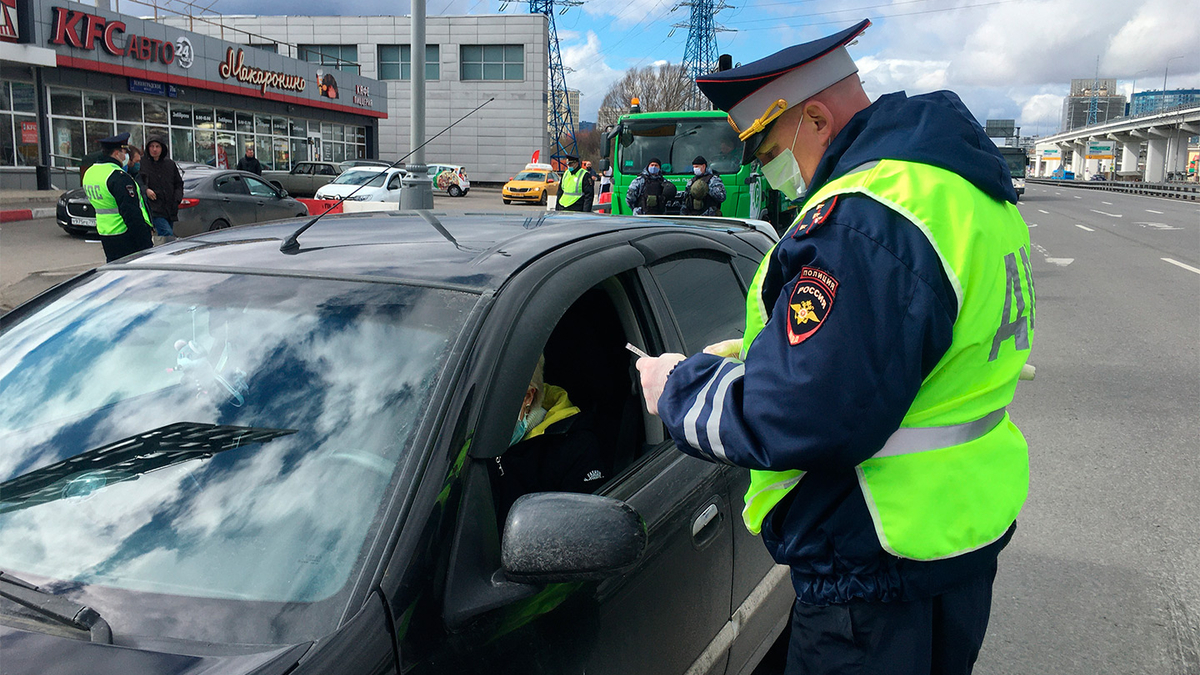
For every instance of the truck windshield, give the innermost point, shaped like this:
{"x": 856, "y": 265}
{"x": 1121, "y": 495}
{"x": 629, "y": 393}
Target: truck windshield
{"x": 1016, "y": 162}
{"x": 180, "y": 444}
{"x": 676, "y": 142}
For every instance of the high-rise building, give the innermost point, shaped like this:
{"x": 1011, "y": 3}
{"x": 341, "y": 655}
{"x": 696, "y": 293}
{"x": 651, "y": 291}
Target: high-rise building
{"x": 1077, "y": 107}
{"x": 572, "y": 100}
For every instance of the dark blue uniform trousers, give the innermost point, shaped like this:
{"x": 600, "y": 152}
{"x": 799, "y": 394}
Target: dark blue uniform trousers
{"x": 940, "y": 635}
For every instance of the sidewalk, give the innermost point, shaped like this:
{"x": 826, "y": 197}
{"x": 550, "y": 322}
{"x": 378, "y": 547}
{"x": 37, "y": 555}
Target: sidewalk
{"x": 16, "y": 205}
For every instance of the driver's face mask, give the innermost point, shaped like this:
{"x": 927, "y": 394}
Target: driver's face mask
{"x": 783, "y": 172}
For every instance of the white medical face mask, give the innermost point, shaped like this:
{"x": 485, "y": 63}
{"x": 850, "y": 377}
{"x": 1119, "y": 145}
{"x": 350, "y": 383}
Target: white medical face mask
{"x": 697, "y": 170}
{"x": 783, "y": 172}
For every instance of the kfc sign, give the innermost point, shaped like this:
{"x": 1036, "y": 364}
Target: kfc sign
{"x": 10, "y": 30}
{"x": 85, "y": 31}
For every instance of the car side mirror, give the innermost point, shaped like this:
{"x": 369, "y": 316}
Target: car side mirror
{"x": 604, "y": 166}
{"x": 283, "y": 194}
{"x": 563, "y": 537}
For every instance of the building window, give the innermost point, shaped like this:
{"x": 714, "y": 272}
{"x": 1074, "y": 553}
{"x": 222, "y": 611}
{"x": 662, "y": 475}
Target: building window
{"x": 267, "y": 47}
{"x": 342, "y": 57}
{"x": 18, "y": 126}
{"x": 395, "y": 62}
{"x": 493, "y": 62}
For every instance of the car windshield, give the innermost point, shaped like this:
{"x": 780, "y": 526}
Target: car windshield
{"x": 368, "y": 177}
{"x": 530, "y": 175}
{"x": 181, "y": 444}
{"x": 676, "y": 143}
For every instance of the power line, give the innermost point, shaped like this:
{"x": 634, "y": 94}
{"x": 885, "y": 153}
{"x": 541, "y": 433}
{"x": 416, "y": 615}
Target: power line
{"x": 881, "y": 16}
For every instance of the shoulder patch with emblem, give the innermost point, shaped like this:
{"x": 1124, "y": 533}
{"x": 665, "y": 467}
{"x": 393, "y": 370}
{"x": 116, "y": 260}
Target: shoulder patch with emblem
{"x": 810, "y": 303}
{"x": 131, "y": 190}
{"x": 815, "y": 217}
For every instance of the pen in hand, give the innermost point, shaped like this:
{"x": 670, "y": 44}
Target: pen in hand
{"x": 635, "y": 350}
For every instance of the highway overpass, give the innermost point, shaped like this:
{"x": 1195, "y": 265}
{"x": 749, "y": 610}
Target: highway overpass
{"x": 1165, "y": 135}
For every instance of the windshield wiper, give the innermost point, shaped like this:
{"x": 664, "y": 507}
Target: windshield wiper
{"x": 55, "y": 607}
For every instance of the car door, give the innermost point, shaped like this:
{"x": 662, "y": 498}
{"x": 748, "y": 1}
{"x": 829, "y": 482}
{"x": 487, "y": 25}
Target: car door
{"x": 705, "y": 313}
{"x": 661, "y": 616}
{"x": 322, "y": 175}
{"x": 300, "y": 180}
{"x": 393, "y": 187}
{"x": 234, "y": 199}
{"x": 552, "y": 183}
{"x": 268, "y": 203}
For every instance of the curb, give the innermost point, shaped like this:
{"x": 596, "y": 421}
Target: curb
{"x": 14, "y": 215}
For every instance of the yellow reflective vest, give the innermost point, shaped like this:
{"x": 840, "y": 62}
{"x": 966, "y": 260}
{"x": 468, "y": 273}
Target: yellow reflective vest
{"x": 954, "y": 476}
{"x": 108, "y": 217}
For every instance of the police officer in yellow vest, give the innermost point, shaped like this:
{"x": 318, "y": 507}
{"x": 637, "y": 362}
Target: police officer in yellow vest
{"x": 884, "y": 336}
{"x": 576, "y": 191}
{"x": 122, "y": 219}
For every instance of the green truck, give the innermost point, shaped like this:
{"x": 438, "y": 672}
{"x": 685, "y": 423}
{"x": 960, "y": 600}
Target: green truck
{"x": 677, "y": 137}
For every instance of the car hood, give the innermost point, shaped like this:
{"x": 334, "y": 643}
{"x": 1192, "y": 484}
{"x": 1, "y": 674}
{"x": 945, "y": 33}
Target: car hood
{"x": 77, "y": 193}
{"x": 525, "y": 184}
{"x": 29, "y": 653}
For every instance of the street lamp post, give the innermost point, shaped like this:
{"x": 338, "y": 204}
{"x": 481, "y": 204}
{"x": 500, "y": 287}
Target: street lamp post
{"x": 1163, "y": 98}
{"x": 1133, "y": 89}
{"x": 416, "y": 190}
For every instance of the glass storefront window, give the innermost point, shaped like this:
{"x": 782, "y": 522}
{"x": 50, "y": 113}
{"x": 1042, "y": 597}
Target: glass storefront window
{"x": 279, "y": 126}
{"x": 297, "y": 128}
{"x": 339, "y": 152}
{"x": 156, "y": 112}
{"x": 97, "y": 106}
{"x": 227, "y": 152}
{"x": 67, "y": 103}
{"x": 327, "y": 131}
{"x": 243, "y": 141}
{"x": 96, "y": 131}
{"x": 339, "y": 132}
{"x": 181, "y": 145}
{"x": 129, "y": 109}
{"x": 135, "y": 134}
{"x": 66, "y": 138}
{"x": 262, "y": 125}
{"x": 22, "y": 97}
{"x": 206, "y": 152}
{"x": 5, "y": 98}
{"x": 262, "y": 151}
{"x": 299, "y": 149}
{"x": 326, "y": 151}
{"x": 8, "y": 149}
{"x": 282, "y": 156}
{"x": 203, "y": 117}
{"x": 360, "y": 135}
{"x": 245, "y": 123}
{"x": 181, "y": 115}
{"x": 225, "y": 120}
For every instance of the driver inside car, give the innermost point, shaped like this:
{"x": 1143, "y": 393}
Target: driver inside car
{"x": 553, "y": 447}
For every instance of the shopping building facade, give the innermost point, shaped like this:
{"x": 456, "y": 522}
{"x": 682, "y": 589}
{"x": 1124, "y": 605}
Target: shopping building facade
{"x": 74, "y": 74}
{"x": 468, "y": 60}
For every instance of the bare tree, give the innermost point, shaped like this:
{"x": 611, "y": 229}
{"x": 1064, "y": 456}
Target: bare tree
{"x": 658, "y": 88}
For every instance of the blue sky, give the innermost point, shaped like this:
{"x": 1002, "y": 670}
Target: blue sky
{"x": 1006, "y": 58}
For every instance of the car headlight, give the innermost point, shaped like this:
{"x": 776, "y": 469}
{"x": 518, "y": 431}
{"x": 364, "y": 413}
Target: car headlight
{"x": 357, "y": 198}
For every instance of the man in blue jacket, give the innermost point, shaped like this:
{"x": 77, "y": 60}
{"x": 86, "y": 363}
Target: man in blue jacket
{"x": 884, "y": 337}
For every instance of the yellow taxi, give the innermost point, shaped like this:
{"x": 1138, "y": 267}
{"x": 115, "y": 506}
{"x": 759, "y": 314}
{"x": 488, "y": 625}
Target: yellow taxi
{"x": 533, "y": 184}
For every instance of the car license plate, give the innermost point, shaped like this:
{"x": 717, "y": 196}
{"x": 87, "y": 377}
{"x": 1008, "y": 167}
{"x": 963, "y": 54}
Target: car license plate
{"x": 83, "y": 222}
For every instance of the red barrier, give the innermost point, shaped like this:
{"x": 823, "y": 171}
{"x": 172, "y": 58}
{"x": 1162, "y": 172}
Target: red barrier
{"x": 318, "y": 206}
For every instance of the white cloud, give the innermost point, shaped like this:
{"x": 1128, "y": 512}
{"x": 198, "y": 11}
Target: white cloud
{"x": 591, "y": 75}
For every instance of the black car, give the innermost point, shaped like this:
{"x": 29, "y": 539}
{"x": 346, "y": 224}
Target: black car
{"x": 219, "y": 457}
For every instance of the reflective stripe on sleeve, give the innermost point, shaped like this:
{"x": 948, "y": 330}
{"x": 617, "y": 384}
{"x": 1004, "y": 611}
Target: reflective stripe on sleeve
{"x": 908, "y": 440}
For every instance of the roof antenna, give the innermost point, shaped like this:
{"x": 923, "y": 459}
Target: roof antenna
{"x": 291, "y": 246}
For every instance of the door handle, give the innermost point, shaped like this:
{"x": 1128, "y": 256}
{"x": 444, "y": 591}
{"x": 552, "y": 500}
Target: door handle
{"x": 706, "y": 518}
{"x": 226, "y": 200}
{"x": 260, "y": 203}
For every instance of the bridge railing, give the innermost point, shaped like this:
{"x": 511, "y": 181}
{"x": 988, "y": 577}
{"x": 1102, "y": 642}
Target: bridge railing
{"x": 1169, "y": 190}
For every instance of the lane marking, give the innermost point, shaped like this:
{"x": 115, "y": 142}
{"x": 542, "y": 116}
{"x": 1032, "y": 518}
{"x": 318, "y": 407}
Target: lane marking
{"x": 1109, "y": 203}
{"x": 1045, "y": 212}
{"x": 1179, "y": 264}
{"x": 1159, "y": 226}
{"x": 1061, "y": 262}
{"x": 1084, "y": 227}
{"x": 1078, "y": 197}
{"x": 1105, "y": 213}
{"x": 1153, "y": 211}
{"x": 1033, "y": 224}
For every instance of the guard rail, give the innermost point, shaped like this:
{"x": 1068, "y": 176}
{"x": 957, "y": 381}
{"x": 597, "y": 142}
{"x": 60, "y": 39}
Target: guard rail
{"x": 1169, "y": 190}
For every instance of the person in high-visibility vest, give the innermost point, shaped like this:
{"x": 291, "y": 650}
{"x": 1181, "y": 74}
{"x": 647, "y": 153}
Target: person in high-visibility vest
{"x": 884, "y": 337}
{"x": 576, "y": 191}
{"x": 122, "y": 219}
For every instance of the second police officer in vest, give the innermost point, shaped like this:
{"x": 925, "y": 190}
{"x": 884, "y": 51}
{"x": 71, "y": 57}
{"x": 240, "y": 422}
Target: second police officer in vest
{"x": 884, "y": 337}
{"x": 575, "y": 192}
{"x": 704, "y": 193}
{"x": 122, "y": 220}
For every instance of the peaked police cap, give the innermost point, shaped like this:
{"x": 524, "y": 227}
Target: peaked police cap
{"x": 757, "y": 93}
{"x": 113, "y": 142}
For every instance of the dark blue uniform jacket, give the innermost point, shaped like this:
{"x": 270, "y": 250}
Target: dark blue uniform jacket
{"x": 824, "y": 400}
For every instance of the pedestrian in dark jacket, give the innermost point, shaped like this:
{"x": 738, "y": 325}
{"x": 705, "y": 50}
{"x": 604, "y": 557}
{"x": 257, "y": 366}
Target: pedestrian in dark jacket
{"x": 250, "y": 162}
{"x": 164, "y": 186}
{"x": 649, "y": 193}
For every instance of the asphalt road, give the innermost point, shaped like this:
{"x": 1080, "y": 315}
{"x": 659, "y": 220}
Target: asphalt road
{"x": 1103, "y": 574}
